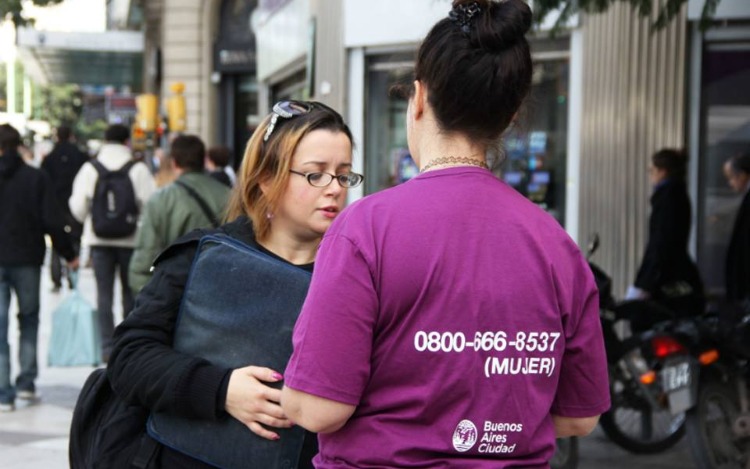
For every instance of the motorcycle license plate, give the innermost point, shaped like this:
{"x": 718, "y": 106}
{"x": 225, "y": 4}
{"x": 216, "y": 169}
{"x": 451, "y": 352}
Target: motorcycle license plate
{"x": 675, "y": 380}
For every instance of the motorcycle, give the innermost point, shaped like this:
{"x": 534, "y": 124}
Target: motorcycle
{"x": 566, "y": 454}
{"x": 640, "y": 419}
{"x": 718, "y": 419}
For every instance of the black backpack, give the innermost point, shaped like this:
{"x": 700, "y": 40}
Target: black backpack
{"x": 106, "y": 432}
{"x": 114, "y": 209}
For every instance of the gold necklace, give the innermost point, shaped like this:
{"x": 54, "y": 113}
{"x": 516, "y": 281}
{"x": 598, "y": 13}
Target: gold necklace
{"x": 454, "y": 161}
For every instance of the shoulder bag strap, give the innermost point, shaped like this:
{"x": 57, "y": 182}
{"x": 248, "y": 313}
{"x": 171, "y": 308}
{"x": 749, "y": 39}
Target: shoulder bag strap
{"x": 127, "y": 166}
{"x": 100, "y": 169}
{"x": 204, "y": 206}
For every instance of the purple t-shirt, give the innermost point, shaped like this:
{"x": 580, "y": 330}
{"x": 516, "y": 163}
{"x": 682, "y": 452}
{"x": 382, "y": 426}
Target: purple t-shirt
{"x": 457, "y": 316}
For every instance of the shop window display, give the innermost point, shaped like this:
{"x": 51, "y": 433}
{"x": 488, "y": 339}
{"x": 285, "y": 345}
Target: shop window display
{"x": 725, "y": 114}
{"x": 533, "y": 159}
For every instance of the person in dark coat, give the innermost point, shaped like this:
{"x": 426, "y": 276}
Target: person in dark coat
{"x": 62, "y": 165}
{"x": 667, "y": 273}
{"x": 218, "y": 161}
{"x": 737, "y": 172}
{"x": 27, "y": 212}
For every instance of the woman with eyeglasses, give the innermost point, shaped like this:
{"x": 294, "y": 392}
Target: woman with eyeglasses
{"x": 450, "y": 322}
{"x": 293, "y": 183}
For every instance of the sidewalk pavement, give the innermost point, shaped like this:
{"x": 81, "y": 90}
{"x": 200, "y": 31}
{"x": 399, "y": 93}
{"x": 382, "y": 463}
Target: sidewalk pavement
{"x": 35, "y": 436}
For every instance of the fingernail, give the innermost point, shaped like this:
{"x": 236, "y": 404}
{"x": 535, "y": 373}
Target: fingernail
{"x": 276, "y": 437}
{"x": 293, "y": 424}
{"x": 277, "y": 376}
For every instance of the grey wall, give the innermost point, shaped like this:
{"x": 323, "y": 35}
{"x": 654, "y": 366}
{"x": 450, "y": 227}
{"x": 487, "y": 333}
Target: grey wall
{"x": 634, "y": 84}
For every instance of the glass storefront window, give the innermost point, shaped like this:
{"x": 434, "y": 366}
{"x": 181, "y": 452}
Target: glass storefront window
{"x": 387, "y": 160}
{"x": 536, "y": 146}
{"x": 725, "y": 117}
{"x": 293, "y": 87}
{"x": 535, "y": 149}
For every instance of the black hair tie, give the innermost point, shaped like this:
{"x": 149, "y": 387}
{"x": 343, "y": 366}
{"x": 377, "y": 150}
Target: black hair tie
{"x": 462, "y": 14}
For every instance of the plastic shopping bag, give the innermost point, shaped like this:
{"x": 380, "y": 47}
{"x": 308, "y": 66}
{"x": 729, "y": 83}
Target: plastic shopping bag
{"x": 75, "y": 337}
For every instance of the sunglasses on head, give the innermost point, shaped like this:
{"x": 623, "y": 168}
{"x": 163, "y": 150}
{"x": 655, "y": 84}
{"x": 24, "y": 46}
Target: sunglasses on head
{"x": 286, "y": 110}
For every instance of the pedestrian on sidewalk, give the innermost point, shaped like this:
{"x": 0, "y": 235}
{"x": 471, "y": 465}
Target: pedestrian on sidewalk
{"x": 218, "y": 165}
{"x": 667, "y": 274}
{"x": 110, "y": 255}
{"x": 62, "y": 165}
{"x": 177, "y": 208}
{"x": 450, "y": 319}
{"x": 737, "y": 173}
{"x": 293, "y": 184}
{"x": 28, "y": 211}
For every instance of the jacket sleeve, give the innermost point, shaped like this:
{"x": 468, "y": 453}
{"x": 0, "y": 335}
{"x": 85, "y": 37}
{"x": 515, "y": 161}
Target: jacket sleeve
{"x": 149, "y": 242}
{"x": 143, "y": 183}
{"x": 665, "y": 240}
{"x": 83, "y": 190}
{"x": 53, "y": 220}
{"x": 144, "y": 368}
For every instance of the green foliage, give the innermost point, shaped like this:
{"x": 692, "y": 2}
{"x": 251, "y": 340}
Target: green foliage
{"x": 63, "y": 105}
{"x": 13, "y": 9}
{"x": 665, "y": 10}
{"x": 60, "y": 104}
{"x": 86, "y": 131}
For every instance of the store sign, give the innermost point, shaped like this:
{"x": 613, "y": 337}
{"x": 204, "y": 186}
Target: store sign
{"x": 233, "y": 59}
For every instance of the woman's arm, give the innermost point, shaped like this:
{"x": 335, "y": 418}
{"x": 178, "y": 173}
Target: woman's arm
{"x": 314, "y": 413}
{"x": 569, "y": 426}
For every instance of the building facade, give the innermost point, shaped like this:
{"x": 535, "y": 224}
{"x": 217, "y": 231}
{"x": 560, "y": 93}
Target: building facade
{"x": 607, "y": 93}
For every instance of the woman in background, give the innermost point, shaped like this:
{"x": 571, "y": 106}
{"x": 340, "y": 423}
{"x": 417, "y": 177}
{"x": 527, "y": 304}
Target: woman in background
{"x": 667, "y": 274}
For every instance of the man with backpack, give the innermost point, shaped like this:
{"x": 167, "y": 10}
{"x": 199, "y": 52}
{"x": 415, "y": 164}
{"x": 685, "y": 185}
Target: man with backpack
{"x": 194, "y": 200}
{"x": 108, "y": 196}
{"x": 27, "y": 213}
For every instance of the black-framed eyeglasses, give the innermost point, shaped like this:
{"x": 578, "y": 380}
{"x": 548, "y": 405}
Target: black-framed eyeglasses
{"x": 325, "y": 179}
{"x": 287, "y": 110}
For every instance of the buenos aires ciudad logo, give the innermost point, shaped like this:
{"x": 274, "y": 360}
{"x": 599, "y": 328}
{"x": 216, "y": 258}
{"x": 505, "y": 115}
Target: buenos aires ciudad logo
{"x": 465, "y": 436}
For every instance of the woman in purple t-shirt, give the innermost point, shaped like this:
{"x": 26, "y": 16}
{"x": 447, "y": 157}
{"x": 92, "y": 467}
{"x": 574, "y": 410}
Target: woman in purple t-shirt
{"x": 450, "y": 322}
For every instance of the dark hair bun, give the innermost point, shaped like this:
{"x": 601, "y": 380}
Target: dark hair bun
{"x": 477, "y": 66}
{"x": 500, "y": 24}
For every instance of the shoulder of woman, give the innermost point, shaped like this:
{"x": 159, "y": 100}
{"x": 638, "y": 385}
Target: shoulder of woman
{"x": 240, "y": 229}
{"x": 186, "y": 244}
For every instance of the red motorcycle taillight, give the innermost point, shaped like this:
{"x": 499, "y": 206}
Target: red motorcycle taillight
{"x": 665, "y": 346}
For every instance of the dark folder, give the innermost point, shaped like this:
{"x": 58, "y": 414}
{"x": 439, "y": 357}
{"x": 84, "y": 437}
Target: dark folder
{"x": 239, "y": 309}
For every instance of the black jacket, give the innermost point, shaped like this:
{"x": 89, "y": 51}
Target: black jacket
{"x": 221, "y": 176}
{"x": 144, "y": 369}
{"x": 28, "y": 211}
{"x": 666, "y": 259}
{"x": 738, "y": 257}
{"x": 62, "y": 165}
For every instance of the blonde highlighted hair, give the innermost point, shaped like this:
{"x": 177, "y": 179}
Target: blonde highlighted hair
{"x": 269, "y": 161}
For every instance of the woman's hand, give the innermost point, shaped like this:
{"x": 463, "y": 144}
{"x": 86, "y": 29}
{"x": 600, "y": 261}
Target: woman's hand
{"x": 252, "y": 402}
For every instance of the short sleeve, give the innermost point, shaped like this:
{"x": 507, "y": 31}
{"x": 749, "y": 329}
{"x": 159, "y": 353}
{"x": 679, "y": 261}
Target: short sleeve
{"x": 583, "y": 389}
{"x": 334, "y": 333}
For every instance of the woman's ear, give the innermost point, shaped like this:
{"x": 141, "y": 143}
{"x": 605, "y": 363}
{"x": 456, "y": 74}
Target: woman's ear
{"x": 418, "y": 99}
{"x": 265, "y": 185}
